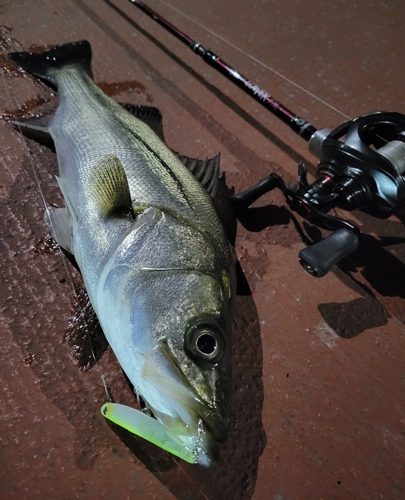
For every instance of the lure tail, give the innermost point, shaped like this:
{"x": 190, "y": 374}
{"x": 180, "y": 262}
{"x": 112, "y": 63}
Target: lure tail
{"x": 47, "y": 64}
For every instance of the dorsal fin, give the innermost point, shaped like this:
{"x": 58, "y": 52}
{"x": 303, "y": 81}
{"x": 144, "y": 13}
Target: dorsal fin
{"x": 110, "y": 189}
{"x": 148, "y": 114}
{"x": 205, "y": 171}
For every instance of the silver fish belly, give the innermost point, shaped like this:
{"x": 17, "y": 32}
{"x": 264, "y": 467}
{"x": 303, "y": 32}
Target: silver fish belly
{"x": 153, "y": 254}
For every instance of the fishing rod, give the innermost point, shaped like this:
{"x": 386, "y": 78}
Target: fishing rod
{"x": 297, "y": 124}
{"x": 361, "y": 166}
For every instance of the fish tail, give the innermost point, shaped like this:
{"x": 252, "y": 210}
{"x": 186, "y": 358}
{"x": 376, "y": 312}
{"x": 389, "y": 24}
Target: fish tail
{"x": 47, "y": 64}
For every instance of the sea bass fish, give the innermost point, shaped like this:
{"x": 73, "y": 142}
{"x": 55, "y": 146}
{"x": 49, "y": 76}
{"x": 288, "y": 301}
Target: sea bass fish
{"x": 152, "y": 252}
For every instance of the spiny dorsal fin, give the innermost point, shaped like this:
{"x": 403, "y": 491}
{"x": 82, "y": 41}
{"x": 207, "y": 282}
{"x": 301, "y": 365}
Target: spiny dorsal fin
{"x": 110, "y": 189}
{"x": 148, "y": 114}
{"x": 205, "y": 171}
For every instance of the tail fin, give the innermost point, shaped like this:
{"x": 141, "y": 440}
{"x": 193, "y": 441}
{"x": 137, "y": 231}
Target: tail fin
{"x": 46, "y": 64}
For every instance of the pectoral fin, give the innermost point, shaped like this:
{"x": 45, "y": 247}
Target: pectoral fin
{"x": 110, "y": 189}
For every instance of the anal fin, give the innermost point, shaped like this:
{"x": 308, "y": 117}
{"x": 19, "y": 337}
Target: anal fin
{"x": 58, "y": 222}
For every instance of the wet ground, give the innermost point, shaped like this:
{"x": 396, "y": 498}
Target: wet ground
{"x": 318, "y": 364}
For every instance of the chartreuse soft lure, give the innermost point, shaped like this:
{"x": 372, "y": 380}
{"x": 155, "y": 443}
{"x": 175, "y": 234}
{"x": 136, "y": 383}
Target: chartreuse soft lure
{"x": 148, "y": 428}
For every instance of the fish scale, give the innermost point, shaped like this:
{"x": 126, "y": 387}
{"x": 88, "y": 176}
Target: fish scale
{"x": 149, "y": 179}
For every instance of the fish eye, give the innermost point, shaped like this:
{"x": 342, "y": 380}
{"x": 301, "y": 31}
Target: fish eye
{"x": 205, "y": 343}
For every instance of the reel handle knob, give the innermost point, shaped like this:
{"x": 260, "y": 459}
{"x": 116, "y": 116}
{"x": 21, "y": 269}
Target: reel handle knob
{"x": 318, "y": 259}
{"x": 245, "y": 198}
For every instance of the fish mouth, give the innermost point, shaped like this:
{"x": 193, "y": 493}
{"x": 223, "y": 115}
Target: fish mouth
{"x": 194, "y": 451}
{"x": 196, "y": 423}
{"x": 184, "y": 424}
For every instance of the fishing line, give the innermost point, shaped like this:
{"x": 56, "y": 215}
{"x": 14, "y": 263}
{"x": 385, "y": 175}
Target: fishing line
{"x": 300, "y": 126}
{"x": 48, "y": 212}
{"x": 258, "y": 61}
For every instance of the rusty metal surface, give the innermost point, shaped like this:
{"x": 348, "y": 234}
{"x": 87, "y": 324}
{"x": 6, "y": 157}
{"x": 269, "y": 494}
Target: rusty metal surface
{"x": 318, "y": 365}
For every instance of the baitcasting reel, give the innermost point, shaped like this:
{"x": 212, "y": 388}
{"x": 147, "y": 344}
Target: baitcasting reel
{"x": 362, "y": 166}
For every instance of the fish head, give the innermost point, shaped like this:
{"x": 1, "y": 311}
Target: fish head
{"x": 177, "y": 352}
{"x": 187, "y": 372}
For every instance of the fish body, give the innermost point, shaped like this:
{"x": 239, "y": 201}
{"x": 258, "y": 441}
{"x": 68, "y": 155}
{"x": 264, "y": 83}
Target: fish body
{"x": 153, "y": 254}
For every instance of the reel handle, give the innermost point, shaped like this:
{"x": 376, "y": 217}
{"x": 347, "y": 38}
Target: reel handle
{"x": 318, "y": 259}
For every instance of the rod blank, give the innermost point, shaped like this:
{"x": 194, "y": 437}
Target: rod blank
{"x": 297, "y": 124}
